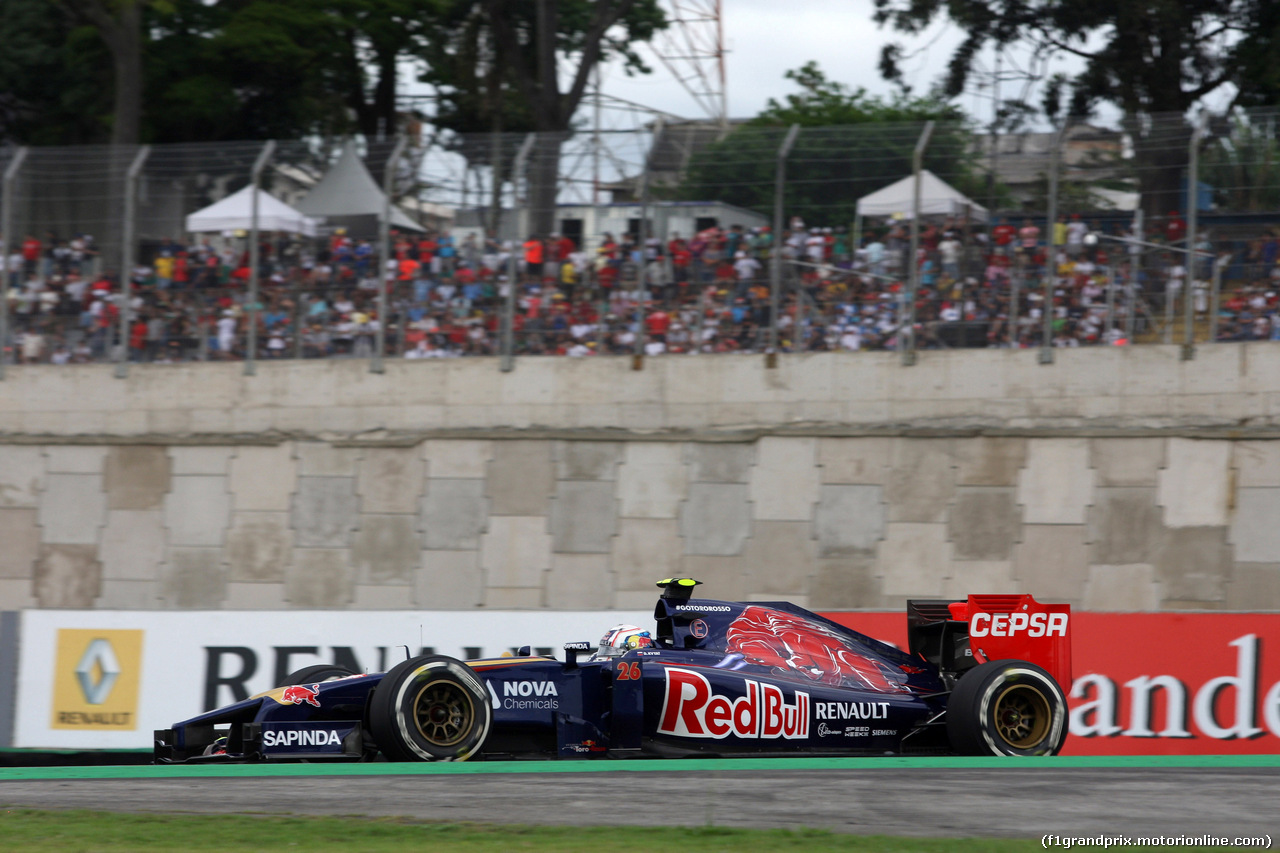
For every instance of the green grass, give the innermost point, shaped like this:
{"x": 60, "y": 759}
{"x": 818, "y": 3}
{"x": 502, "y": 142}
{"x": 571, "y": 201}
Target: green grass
{"x": 91, "y": 832}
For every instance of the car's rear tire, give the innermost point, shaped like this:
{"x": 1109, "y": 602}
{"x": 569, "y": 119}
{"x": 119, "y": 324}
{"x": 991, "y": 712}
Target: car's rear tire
{"x": 430, "y": 708}
{"x": 1007, "y": 707}
{"x": 315, "y": 673}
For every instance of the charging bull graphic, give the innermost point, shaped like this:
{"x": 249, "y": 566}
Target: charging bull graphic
{"x": 774, "y": 638}
{"x": 299, "y": 693}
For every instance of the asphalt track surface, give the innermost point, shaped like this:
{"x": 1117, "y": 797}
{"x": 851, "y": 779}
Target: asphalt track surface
{"x": 1224, "y": 797}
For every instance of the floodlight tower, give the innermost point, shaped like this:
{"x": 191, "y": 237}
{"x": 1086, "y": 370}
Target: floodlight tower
{"x": 692, "y": 49}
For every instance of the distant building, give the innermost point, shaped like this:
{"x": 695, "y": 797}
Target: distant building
{"x": 1089, "y": 155}
{"x": 585, "y": 223}
{"x": 669, "y": 155}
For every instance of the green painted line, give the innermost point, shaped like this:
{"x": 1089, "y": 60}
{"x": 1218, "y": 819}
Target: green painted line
{"x": 22, "y": 750}
{"x": 678, "y": 765}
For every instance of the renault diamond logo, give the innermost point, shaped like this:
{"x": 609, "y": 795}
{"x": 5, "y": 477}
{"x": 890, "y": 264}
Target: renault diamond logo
{"x": 97, "y": 671}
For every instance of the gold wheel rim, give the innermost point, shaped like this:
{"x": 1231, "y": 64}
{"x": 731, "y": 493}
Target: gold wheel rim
{"x": 1022, "y": 716}
{"x": 443, "y": 713}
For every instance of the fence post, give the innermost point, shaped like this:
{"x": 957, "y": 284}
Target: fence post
{"x": 1111, "y": 300}
{"x": 1015, "y": 279}
{"x": 1188, "y": 351}
{"x": 1130, "y": 305}
{"x": 642, "y": 241}
{"x": 1051, "y": 262}
{"x": 299, "y": 319}
{"x": 507, "y": 326}
{"x": 775, "y": 257}
{"x": 907, "y": 325}
{"x": 698, "y": 321}
{"x": 6, "y": 228}
{"x": 252, "y": 309}
{"x": 519, "y": 199}
{"x": 798, "y": 336}
{"x": 1135, "y": 262}
{"x": 384, "y": 254}
{"x": 127, "y": 256}
{"x": 1218, "y": 263}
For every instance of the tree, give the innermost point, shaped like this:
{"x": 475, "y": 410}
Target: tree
{"x": 1149, "y": 57}
{"x": 281, "y": 68}
{"x": 532, "y": 39}
{"x": 852, "y": 144}
{"x": 119, "y": 25}
{"x": 51, "y": 77}
{"x": 476, "y": 85}
{"x": 1243, "y": 165}
{"x": 379, "y": 36}
{"x": 822, "y": 102}
{"x": 78, "y": 70}
{"x": 478, "y": 98}
{"x": 248, "y": 70}
{"x": 1259, "y": 56}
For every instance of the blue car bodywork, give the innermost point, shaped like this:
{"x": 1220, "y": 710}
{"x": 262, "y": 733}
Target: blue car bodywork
{"x": 721, "y": 679}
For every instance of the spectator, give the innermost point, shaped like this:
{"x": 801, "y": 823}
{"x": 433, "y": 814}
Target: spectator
{"x": 949, "y": 250}
{"x": 226, "y": 334}
{"x": 161, "y": 269}
{"x": 1028, "y": 240}
{"x": 31, "y": 249}
{"x": 533, "y": 258}
{"x": 746, "y": 269}
{"x": 1003, "y": 237}
{"x": 1075, "y": 237}
{"x": 708, "y": 293}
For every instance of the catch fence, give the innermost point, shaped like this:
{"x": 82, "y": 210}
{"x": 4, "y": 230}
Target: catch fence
{"x": 681, "y": 237}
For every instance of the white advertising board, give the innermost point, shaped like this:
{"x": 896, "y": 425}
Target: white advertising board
{"x": 107, "y": 679}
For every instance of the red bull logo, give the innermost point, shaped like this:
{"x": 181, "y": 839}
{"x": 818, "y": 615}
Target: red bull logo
{"x": 298, "y": 693}
{"x": 691, "y": 709}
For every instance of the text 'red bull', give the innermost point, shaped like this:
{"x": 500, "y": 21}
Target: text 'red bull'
{"x": 691, "y": 709}
{"x": 299, "y": 693}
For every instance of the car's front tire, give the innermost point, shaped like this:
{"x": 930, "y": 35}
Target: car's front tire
{"x": 1007, "y": 707}
{"x": 430, "y": 708}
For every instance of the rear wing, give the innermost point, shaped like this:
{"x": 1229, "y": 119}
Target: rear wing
{"x": 957, "y": 635}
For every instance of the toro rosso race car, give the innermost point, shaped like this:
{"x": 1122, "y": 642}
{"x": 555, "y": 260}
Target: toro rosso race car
{"x": 716, "y": 678}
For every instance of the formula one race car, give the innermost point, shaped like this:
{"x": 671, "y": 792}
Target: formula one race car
{"x": 717, "y": 678}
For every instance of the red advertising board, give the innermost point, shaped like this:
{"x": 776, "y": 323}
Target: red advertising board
{"x": 1159, "y": 683}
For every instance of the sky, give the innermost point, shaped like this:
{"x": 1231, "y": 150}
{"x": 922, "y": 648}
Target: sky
{"x": 765, "y": 38}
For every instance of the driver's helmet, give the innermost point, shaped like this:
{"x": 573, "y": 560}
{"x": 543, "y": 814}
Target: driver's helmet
{"x": 621, "y": 639}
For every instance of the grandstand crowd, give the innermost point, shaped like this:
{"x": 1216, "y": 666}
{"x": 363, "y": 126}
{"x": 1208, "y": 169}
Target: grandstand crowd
{"x": 707, "y": 292}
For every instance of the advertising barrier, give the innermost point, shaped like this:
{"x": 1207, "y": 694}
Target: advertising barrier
{"x": 1159, "y": 683}
{"x": 107, "y": 679}
{"x": 1146, "y": 683}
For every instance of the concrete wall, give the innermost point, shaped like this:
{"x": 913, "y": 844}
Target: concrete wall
{"x": 1104, "y": 523}
{"x": 1114, "y": 480}
{"x": 1131, "y": 387}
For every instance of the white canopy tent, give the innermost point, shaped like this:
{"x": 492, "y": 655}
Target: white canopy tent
{"x": 937, "y": 198}
{"x": 347, "y": 196}
{"x": 235, "y": 213}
